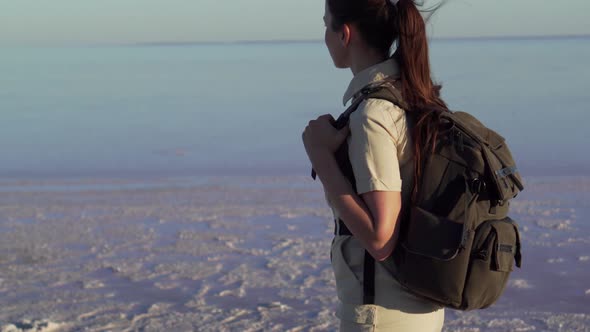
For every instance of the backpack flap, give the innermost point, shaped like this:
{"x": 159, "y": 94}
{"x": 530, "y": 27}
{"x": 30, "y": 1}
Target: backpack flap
{"x": 506, "y": 246}
{"x": 503, "y": 174}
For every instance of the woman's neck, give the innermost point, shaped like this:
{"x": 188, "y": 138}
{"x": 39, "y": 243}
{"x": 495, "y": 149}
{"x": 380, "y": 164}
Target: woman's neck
{"x": 364, "y": 59}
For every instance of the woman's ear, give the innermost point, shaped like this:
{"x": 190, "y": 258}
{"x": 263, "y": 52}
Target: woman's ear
{"x": 345, "y": 35}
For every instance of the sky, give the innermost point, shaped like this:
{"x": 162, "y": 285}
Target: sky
{"x": 32, "y": 22}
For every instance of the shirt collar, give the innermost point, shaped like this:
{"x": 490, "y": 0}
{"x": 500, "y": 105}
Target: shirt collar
{"x": 373, "y": 74}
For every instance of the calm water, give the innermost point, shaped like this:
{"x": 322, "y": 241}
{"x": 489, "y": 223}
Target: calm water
{"x": 240, "y": 108}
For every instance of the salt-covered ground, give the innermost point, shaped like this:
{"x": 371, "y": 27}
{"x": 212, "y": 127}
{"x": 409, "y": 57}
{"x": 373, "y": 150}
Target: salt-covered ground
{"x": 242, "y": 254}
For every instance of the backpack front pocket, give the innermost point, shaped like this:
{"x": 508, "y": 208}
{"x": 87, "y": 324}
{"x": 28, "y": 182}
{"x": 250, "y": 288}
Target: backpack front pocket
{"x": 432, "y": 236}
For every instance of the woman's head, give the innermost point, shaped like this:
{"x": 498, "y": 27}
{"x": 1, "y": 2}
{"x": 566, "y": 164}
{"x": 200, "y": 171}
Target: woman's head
{"x": 373, "y": 20}
{"x": 378, "y": 24}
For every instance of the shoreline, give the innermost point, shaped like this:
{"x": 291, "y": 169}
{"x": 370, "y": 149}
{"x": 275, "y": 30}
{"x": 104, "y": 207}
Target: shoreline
{"x": 82, "y": 44}
{"x": 137, "y": 177}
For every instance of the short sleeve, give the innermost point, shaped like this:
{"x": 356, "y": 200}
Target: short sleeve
{"x": 372, "y": 148}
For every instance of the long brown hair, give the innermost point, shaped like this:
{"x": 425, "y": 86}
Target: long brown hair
{"x": 381, "y": 24}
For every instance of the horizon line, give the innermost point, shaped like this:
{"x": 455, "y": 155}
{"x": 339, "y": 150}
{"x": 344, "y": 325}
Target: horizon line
{"x": 305, "y": 41}
{"x": 289, "y": 41}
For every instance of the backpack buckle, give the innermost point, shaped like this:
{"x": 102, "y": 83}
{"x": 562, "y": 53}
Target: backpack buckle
{"x": 464, "y": 238}
{"x": 369, "y": 90}
{"x": 478, "y": 186}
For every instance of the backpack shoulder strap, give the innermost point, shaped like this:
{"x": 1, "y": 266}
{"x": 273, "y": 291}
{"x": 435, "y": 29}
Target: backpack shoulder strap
{"x": 385, "y": 91}
{"x": 381, "y": 90}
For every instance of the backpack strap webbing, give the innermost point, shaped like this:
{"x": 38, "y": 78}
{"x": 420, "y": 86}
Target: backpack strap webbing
{"x": 368, "y": 279}
{"x": 368, "y": 266}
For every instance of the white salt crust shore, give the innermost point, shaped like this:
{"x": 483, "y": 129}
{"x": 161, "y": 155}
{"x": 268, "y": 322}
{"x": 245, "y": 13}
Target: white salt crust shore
{"x": 242, "y": 254}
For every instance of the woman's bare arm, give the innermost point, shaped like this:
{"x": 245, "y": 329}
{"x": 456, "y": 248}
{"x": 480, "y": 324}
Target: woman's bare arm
{"x": 371, "y": 217}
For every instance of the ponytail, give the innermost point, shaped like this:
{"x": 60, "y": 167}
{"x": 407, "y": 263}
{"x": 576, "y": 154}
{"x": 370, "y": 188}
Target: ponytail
{"x": 418, "y": 89}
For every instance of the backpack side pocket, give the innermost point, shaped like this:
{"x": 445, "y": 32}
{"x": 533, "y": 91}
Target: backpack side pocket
{"x": 496, "y": 248}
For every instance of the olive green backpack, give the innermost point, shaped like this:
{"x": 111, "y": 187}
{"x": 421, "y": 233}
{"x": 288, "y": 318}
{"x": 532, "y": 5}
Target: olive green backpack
{"x": 457, "y": 245}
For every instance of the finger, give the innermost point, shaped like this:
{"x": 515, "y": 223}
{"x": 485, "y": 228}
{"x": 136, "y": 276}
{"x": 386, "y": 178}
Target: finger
{"x": 344, "y": 131}
{"x": 328, "y": 117}
{"x": 305, "y": 136}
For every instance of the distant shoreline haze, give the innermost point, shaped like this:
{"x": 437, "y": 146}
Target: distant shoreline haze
{"x": 306, "y": 41}
{"x": 278, "y": 41}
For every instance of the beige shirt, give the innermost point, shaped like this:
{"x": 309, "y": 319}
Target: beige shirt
{"x": 381, "y": 154}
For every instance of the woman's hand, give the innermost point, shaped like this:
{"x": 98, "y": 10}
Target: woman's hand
{"x": 321, "y": 139}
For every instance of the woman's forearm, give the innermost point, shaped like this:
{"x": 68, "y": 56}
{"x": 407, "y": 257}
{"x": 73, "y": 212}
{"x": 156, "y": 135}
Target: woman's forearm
{"x": 350, "y": 207}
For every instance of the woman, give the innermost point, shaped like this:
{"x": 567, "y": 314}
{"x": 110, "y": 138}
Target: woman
{"x": 383, "y": 151}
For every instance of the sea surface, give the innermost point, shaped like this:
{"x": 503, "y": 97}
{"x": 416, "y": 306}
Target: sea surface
{"x": 241, "y": 108}
{"x": 165, "y": 187}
